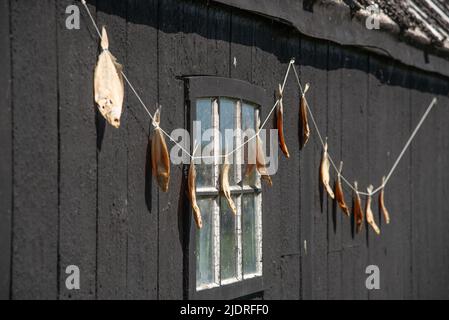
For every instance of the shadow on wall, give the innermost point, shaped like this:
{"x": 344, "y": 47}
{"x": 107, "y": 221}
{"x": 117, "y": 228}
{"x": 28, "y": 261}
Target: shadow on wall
{"x": 207, "y": 18}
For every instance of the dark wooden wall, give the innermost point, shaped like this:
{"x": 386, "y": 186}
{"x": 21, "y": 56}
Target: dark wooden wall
{"x": 76, "y": 191}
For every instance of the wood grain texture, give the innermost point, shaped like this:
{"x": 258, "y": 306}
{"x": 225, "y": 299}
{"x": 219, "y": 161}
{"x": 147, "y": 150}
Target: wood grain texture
{"x": 267, "y": 73}
{"x": 335, "y": 216}
{"x": 142, "y": 65}
{"x": 6, "y": 154}
{"x": 354, "y": 154}
{"x": 289, "y": 230}
{"x": 389, "y": 128}
{"x": 77, "y": 154}
{"x": 313, "y": 59}
{"x": 113, "y": 213}
{"x": 35, "y": 131}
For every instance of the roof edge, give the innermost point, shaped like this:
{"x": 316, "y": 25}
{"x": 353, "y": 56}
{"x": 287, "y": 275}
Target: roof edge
{"x": 332, "y": 20}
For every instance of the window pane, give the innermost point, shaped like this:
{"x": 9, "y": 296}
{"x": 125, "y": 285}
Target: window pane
{"x": 204, "y": 114}
{"x": 227, "y": 121}
{"x": 249, "y": 234}
{"x": 205, "y": 244}
{"x": 249, "y": 130}
{"x": 228, "y": 241}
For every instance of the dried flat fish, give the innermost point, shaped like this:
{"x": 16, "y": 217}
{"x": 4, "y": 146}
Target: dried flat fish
{"x": 280, "y": 123}
{"x": 369, "y": 212}
{"x": 382, "y": 203}
{"x": 108, "y": 84}
{"x": 160, "y": 158}
{"x": 324, "y": 172}
{"x": 225, "y": 186}
{"x": 260, "y": 164}
{"x": 304, "y": 117}
{"x": 191, "y": 184}
{"x": 339, "y": 195}
{"x": 358, "y": 211}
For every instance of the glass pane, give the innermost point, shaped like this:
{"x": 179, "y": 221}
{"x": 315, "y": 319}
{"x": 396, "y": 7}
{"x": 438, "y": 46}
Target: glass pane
{"x": 249, "y": 234}
{"x": 249, "y": 130}
{"x": 205, "y": 244}
{"x": 228, "y": 241}
{"x": 227, "y": 121}
{"x": 204, "y": 114}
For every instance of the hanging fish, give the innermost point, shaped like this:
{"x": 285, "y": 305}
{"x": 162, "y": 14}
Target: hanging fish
{"x": 304, "y": 117}
{"x": 108, "y": 84}
{"x": 339, "y": 195}
{"x": 382, "y": 203}
{"x": 225, "y": 186}
{"x": 358, "y": 211}
{"x": 369, "y": 212}
{"x": 324, "y": 172}
{"x": 280, "y": 123}
{"x": 160, "y": 158}
{"x": 191, "y": 184}
{"x": 261, "y": 163}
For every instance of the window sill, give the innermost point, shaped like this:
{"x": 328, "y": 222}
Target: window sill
{"x": 230, "y": 291}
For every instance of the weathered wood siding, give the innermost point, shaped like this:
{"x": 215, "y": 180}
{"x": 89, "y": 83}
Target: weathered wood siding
{"x": 73, "y": 190}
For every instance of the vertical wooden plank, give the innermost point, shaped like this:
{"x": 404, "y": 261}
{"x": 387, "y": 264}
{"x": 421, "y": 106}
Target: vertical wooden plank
{"x": 388, "y": 129}
{"x": 113, "y": 216}
{"x": 77, "y": 53}
{"x": 313, "y": 200}
{"x": 35, "y": 223}
{"x": 242, "y": 38}
{"x": 422, "y": 186}
{"x": 354, "y": 154}
{"x": 218, "y": 40}
{"x": 334, "y": 213}
{"x": 267, "y": 73}
{"x": 309, "y": 164}
{"x": 429, "y": 250}
{"x": 142, "y": 69}
{"x": 6, "y": 154}
{"x": 288, "y": 172}
{"x": 180, "y": 53}
{"x": 170, "y": 95}
{"x": 320, "y": 242}
{"x": 442, "y": 114}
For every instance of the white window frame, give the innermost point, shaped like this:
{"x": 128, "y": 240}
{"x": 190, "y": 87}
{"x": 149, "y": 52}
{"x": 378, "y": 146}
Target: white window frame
{"x": 236, "y": 190}
{"x": 198, "y": 87}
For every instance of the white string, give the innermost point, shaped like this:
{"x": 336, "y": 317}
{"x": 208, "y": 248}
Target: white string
{"x": 393, "y": 168}
{"x": 162, "y": 130}
{"x": 292, "y": 61}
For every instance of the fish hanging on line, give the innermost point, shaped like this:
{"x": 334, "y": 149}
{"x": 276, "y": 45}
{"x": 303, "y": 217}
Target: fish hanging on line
{"x": 160, "y": 158}
{"x": 382, "y": 207}
{"x": 369, "y": 212}
{"x": 192, "y": 195}
{"x": 339, "y": 195}
{"x": 280, "y": 123}
{"x": 304, "y": 117}
{"x": 108, "y": 84}
{"x": 358, "y": 211}
{"x": 224, "y": 181}
{"x": 191, "y": 184}
{"x": 324, "y": 172}
{"x": 260, "y": 164}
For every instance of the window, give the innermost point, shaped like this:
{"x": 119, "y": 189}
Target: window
{"x": 225, "y": 257}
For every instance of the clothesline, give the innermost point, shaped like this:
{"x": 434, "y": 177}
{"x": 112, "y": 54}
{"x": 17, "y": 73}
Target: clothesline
{"x": 322, "y": 141}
